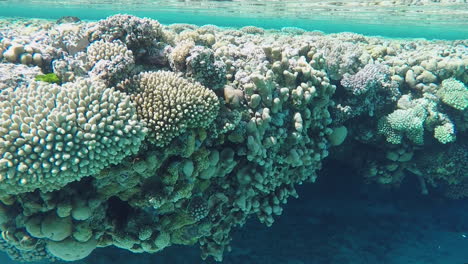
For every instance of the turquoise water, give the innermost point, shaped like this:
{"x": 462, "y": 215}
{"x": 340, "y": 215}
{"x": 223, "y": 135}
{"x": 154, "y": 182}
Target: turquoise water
{"x": 129, "y": 135}
{"x": 432, "y": 21}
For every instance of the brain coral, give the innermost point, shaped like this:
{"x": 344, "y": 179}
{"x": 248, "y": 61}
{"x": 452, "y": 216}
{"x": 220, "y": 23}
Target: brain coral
{"x": 170, "y": 104}
{"x": 51, "y": 135}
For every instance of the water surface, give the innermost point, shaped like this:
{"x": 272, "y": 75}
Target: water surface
{"x": 422, "y": 19}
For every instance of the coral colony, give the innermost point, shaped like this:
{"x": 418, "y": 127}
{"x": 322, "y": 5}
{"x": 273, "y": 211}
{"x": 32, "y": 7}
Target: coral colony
{"x": 128, "y": 133}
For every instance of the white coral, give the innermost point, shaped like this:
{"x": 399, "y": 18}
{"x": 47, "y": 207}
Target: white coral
{"x": 51, "y": 135}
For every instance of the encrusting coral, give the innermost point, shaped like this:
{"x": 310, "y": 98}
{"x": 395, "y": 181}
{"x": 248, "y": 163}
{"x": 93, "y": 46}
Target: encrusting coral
{"x": 176, "y": 135}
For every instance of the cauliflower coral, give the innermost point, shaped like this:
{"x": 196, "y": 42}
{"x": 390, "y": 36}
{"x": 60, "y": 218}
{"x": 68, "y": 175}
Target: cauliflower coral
{"x": 454, "y": 93}
{"x": 51, "y": 135}
{"x": 170, "y": 104}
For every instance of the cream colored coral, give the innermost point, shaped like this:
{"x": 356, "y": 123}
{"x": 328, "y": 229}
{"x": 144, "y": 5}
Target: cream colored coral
{"x": 51, "y": 135}
{"x": 445, "y": 133}
{"x": 179, "y": 54}
{"x": 101, "y": 50}
{"x": 170, "y": 104}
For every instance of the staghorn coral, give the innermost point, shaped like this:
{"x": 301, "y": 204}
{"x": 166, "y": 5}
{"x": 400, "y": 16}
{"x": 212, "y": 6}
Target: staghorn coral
{"x": 170, "y": 105}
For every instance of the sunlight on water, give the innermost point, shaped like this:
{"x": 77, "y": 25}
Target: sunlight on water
{"x": 130, "y": 135}
{"x": 441, "y": 19}
{"x": 377, "y": 11}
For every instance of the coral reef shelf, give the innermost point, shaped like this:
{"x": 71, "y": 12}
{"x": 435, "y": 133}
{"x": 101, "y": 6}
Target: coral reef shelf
{"x": 128, "y": 133}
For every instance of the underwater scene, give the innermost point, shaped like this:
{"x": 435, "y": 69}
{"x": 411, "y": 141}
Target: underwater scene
{"x": 234, "y": 131}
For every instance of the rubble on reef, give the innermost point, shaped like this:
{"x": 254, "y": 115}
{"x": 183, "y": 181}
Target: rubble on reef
{"x": 175, "y": 135}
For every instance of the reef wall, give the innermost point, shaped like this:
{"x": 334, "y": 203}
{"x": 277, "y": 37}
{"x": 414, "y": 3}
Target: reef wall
{"x": 143, "y": 136}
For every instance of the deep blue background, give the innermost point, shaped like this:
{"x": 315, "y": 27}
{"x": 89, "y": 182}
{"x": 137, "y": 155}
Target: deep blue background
{"x": 339, "y": 219}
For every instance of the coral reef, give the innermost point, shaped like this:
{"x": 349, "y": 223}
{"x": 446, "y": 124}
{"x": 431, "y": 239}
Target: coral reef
{"x": 51, "y": 135}
{"x": 135, "y": 33}
{"x": 170, "y": 105}
{"x": 176, "y": 135}
{"x": 454, "y": 93}
{"x": 49, "y": 78}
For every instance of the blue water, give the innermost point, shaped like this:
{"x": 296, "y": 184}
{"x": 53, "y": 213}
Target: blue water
{"x": 351, "y": 222}
{"x": 340, "y": 219}
{"x": 440, "y": 22}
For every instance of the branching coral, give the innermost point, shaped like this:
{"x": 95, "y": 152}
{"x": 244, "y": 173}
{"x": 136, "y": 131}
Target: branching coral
{"x": 134, "y": 32}
{"x": 411, "y": 120}
{"x": 404, "y": 122}
{"x": 109, "y": 61}
{"x": 171, "y": 105}
{"x": 243, "y": 117}
{"x": 372, "y": 90}
{"x": 203, "y": 67}
{"x": 51, "y": 135}
{"x": 454, "y": 93}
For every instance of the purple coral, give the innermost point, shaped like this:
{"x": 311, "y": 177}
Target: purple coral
{"x": 371, "y": 89}
{"x": 203, "y": 66}
{"x": 137, "y": 33}
{"x": 372, "y": 76}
